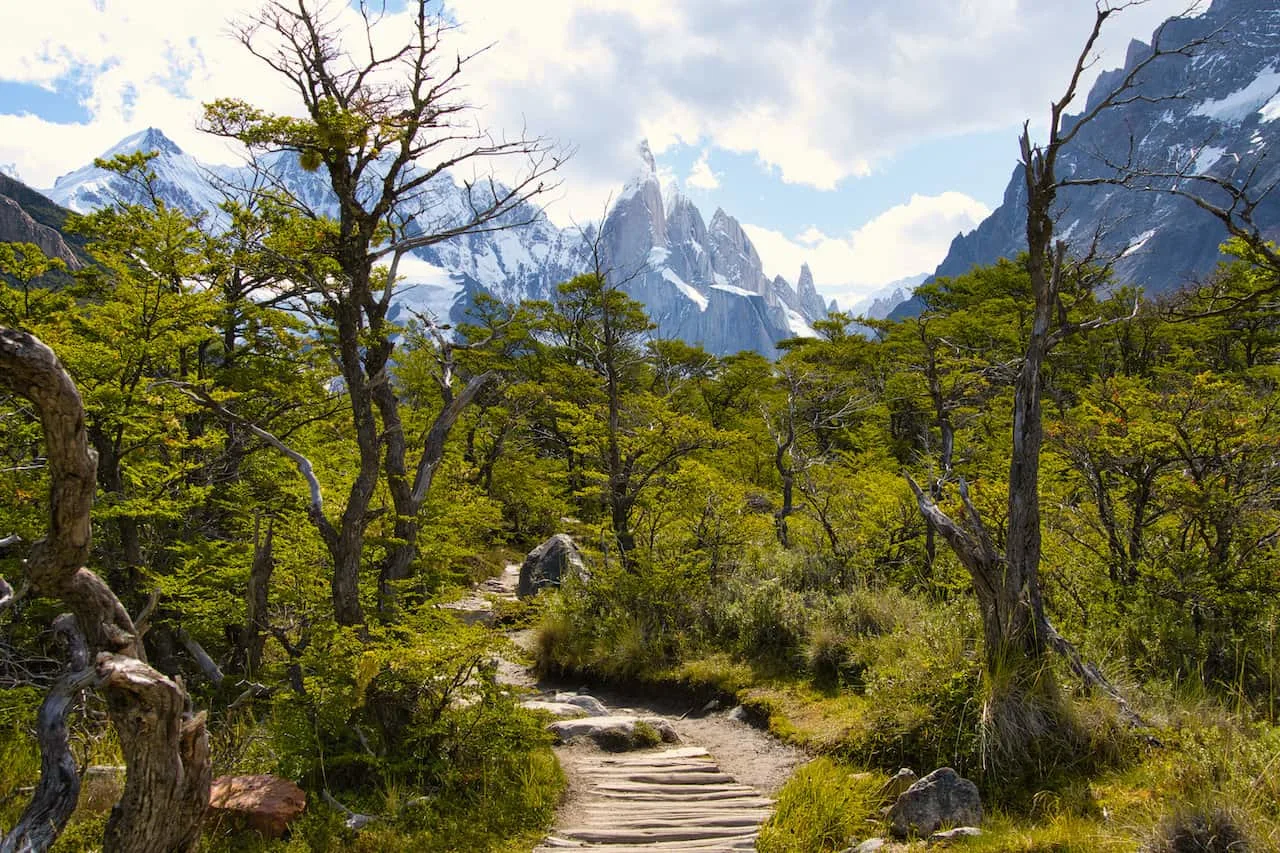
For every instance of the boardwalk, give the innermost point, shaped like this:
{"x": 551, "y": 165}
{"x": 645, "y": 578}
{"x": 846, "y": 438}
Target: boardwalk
{"x": 645, "y": 802}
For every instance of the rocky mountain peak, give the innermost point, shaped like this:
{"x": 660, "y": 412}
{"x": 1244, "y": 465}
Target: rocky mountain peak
{"x": 150, "y": 140}
{"x": 646, "y": 156}
{"x": 811, "y": 304}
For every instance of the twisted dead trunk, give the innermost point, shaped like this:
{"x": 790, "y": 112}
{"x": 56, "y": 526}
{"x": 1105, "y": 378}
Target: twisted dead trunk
{"x": 165, "y": 745}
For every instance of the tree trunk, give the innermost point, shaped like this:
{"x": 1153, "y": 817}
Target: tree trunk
{"x": 256, "y": 619}
{"x": 59, "y": 787}
{"x": 407, "y": 498}
{"x": 165, "y": 746}
{"x": 166, "y": 749}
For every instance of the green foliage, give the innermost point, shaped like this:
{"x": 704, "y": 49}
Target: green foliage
{"x": 823, "y": 807}
{"x": 25, "y": 265}
{"x": 415, "y": 702}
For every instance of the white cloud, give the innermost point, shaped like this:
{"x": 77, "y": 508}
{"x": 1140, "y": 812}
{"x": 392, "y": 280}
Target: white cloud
{"x": 701, "y": 176}
{"x": 902, "y": 241}
{"x": 819, "y": 91}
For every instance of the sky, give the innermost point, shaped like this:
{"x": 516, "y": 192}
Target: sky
{"x": 858, "y": 135}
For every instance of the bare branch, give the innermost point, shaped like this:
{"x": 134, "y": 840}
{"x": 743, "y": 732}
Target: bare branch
{"x": 302, "y": 463}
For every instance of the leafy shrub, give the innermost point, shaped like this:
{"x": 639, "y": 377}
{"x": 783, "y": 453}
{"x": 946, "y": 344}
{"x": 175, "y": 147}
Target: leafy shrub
{"x": 772, "y": 623}
{"x": 417, "y": 703}
{"x": 623, "y": 623}
{"x": 823, "y": 807}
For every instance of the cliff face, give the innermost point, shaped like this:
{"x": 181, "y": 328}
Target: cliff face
{"x": 28, "y": 217}
{"x": 1214, "y": 113}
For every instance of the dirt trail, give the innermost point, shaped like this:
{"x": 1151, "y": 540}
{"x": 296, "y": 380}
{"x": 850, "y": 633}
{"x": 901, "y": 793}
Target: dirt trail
{"x": 709, "y": 793}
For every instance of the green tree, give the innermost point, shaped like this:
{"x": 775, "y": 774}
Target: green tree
{"x": 386, "y": 127}
{"x": 25, "y": 264}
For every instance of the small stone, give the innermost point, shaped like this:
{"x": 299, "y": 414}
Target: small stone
{"x": 739, "y": 713}
{"x": 953, "y": 834}
{"x": 357, "y": 822}
{"x": 267, "y": 804}
{"x": 943, "y": 798}
{"x": 593, "y": 706}
{"x": 897, "y": 786}
{"x": 871, "y": 845}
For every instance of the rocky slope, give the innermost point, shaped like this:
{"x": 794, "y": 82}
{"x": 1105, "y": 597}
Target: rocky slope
{"x": 26, "y": 216}
{"x": 1215, "y": 112}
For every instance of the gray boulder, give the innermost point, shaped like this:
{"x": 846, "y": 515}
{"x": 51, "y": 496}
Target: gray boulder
{"x": 616, "y": 733}
{"x": 555, "y": 709}
{"x": 943, "y": 798}
{"x": 591, "y": 705}
{"x": 549, "y": 564}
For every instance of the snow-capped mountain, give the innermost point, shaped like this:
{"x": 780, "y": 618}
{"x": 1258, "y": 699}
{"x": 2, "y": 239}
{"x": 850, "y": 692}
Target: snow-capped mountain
{"x": 878, "y": 304}
{"x": 702, "y": 284}
{"x": 1223, "y": 122}
{"x": 181, "y": 179}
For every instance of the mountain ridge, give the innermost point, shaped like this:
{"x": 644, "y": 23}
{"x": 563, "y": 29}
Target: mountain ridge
{"x": 701, "y": 282}
{"x": 1221, "y": 123}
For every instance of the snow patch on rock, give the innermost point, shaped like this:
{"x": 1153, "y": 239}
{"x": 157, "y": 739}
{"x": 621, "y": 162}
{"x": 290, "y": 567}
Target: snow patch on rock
{"x": 1255, "y": 97}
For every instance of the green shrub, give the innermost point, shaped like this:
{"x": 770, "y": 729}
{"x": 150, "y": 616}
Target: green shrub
{"x": 624, "y": 623}
{"x": 415, "y": 704}
{"x": 772, "y": 623}
{"x": 823, "y": 807}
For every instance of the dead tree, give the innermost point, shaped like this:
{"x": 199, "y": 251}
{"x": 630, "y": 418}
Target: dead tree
{"x": 1017, "y": 633}
{"x": 164, "y": 744}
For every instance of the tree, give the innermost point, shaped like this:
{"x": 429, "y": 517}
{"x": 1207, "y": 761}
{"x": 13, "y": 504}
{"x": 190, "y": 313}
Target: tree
{"x": 1016, "y": 630}
{"x": 805, "y": 405}
{"x": 634, "y": 434}
{"x": 146, "y": 318}
{"x": 387, "y": 127}
{"x": 165, "y": 746}
{"x": 26, "y": 264}
{"x": 962, "y": 350}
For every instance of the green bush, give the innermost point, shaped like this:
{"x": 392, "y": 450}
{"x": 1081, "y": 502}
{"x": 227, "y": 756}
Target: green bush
{"x": 823, "y": 807}
{"x": 772, "y": 623}
{"x": 624, "y": 623}
{"x": 415, "y": 704}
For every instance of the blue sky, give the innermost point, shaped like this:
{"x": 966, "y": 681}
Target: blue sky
{"x": 858, "y": 135}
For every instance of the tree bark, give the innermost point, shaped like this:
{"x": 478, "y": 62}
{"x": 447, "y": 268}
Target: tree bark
{"x": 166, "y": 749}
{"x": 256, "y": 626}
{"x": 59, "y": 787}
